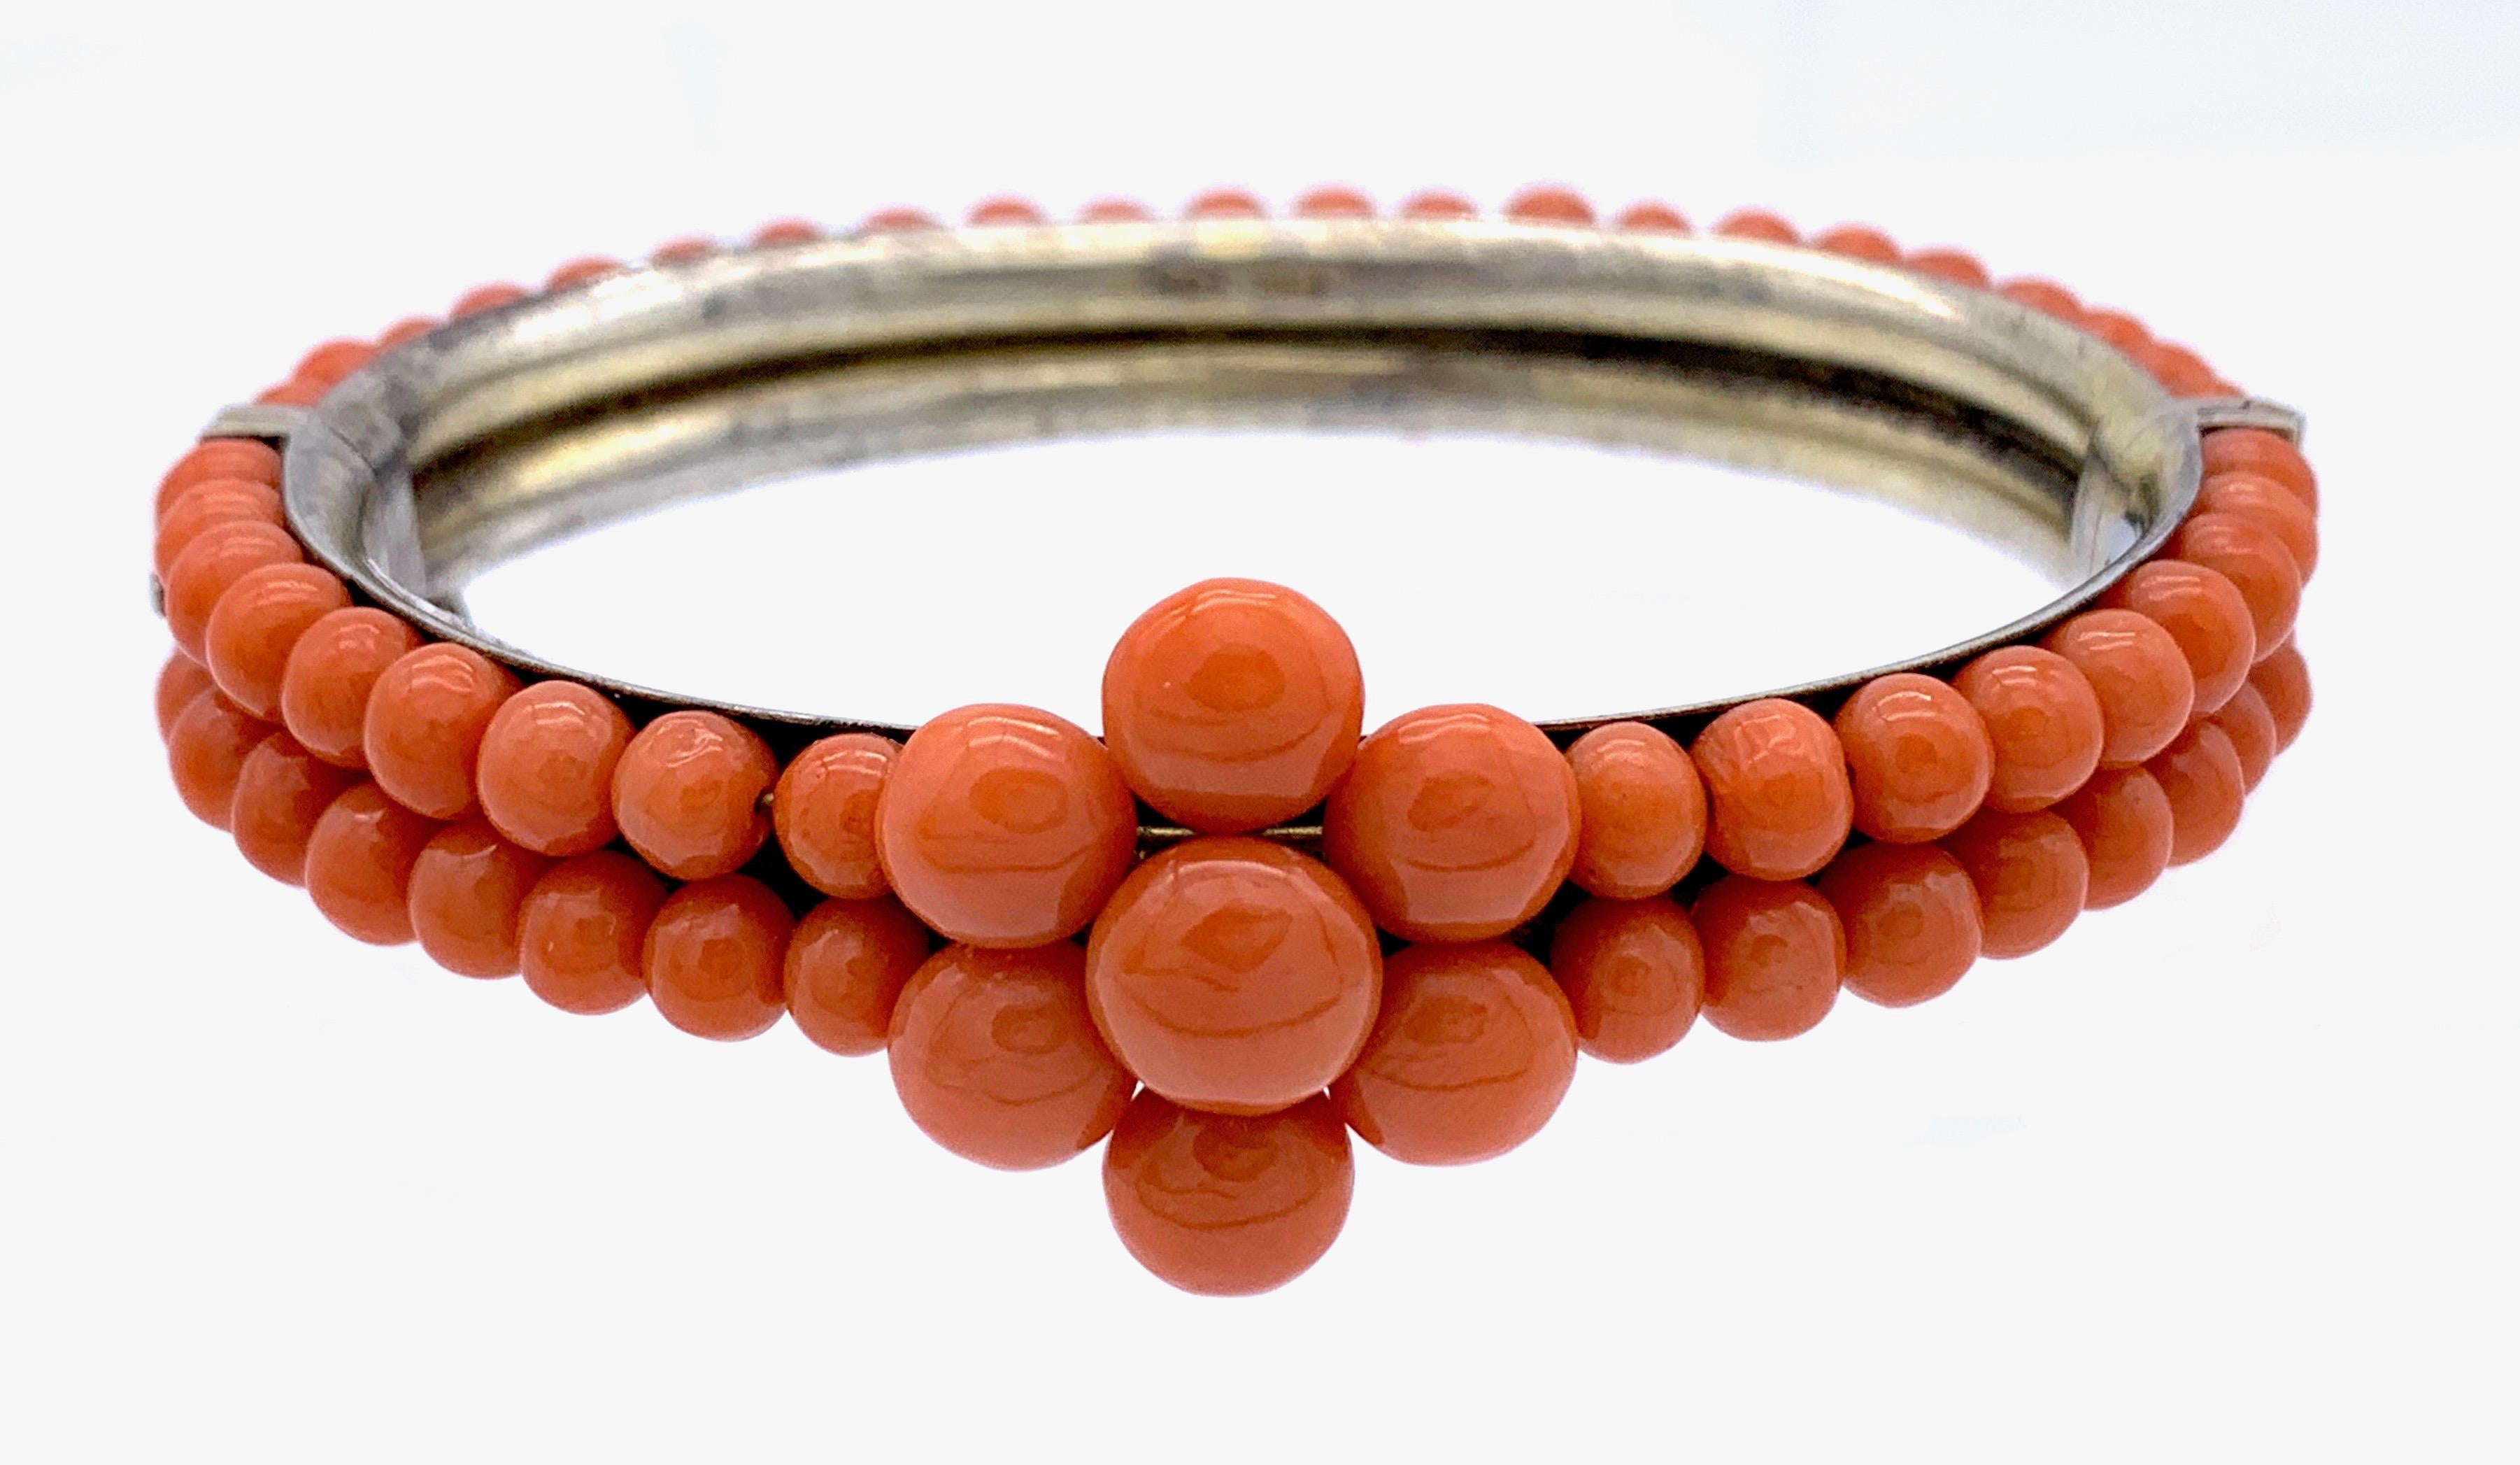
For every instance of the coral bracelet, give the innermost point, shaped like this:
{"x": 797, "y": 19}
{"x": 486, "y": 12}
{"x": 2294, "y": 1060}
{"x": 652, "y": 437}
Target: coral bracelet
{"x": 1237, "y": 928}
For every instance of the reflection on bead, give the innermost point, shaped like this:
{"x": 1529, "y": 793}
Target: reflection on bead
{"x": 2031, "y": 875}
{"x": 1228, "y": 1206}
{"x": 1911, "y": 920}
{"x": 2282, "y": 680}
{"x": 995, "y": 1057}
{"x": 2269, "y": 505}
{"x": 544, "y": 774}
{"x": 2140, "y": 675}
{"x": 358, "y": 864}
{"x": 1642, "y": 820}
{"x": 715, "y": 956}
{"x": 2122, "y": 819}
{"x": 179, "y": 681}
{"x": 281, "y": 792}
{"x": 1774, "y": 956}
{"x": 2044, "y": 721}
{"x": 1917, "y": 758}
{"x": 2259, "y": 451}
{"x": 205, "y": 751}
{"x": 1778, "y": 801}
{"x": 1471, "y": 1053}
{"x": 216, "y": 559}
{"x": 214, "y": 502}
{"x": 466, "y": 888}
{"x": 218, "y": 458}
{"x": 425, "y": 716}
{"x": 2204, "y": 614}
{"x": 331, "y": 670}
{"x": 1633, "y": 973}
{"x": 582, "y": 932}
{"x": 2201, "y": 776}
{"x": 2254, "y": 560}
{"x": 687, "y": 794}
{"x": 2245, "y": 720}
{"x": 823, "y": 811}
{"x": 259, "y": 621}
{"x": 846, "y": 966}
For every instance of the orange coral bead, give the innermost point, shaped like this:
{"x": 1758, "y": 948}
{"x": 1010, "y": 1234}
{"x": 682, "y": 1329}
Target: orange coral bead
{"x": 484, "y": 297}
{"x": 2204, "y": 613}
{"x": 359, "y": 861}
{"x": 1778, "y": 801}
{"x": 1006, "y": 210}
{"x": 1910, "y": 918}
{"x": 333, "y": 667}
{"x": 2118, "y": 329}
{"x": 1454, "y": 824}
{"x": 205, "y": 751}
{"x": 2043, "y": 719}
{"x": 687, "y": 794}
{"x": 1224, "y": 1205}
{"x": 2045, "y": 295}
{"x": 259, "y": 621}
{"x": 2272, "y": 507}
{"x": 1549, "y": 203}
{"x": 1225, "y": 204}
{"x": 2180, "y": 370}
{"x": 468, "y": 893}
{"x": 291, "y": 393}
{"x": 790, "y": 231}
{"x": 425, "y": 716}
{"x": 716, "y": 955}
{"x": 2245, "y": 720}
{"x": 328, "y": 364}
{"x": 824, "y": 812}
{"x": 2282, "y": 680}
{"x": 217, "y": 558}
{"x": 1471, "y": 1053}
{"x": 1233, "y": 705}
{"x": 179, "y": 681}
{"x": 1859, "y": 241}
{"x": 544, "y": 773}
{"x": 1005, "y": 826}
{"x": 846, "y": 966}
{"x": 1643, "y": 811}
{"x": 582, "y": 271}
{"x": 409, "y": 328}
{"x": 2267, "y": 454}
{"x": 1115, "y": 212}
{"x": 898, "y": 222}
{"x": 1774, "y": 956}
{"x": 684, "y": 251}
{"x": 217, "y": 501}
{"x": 1438, "y": 204}
{"x": 1234, "y": 974}
{"x": 1634, "y": 975}
{"x": 995, "y": 1057}
{"x": 1333, "y": 201}
{"x": 217, "y": 459}
{"x": 281, "y": 793}
{"x": 2253, "y": 559}
{"x": 2140, "y": 675}
{"x": 1917, "y": 758}
{"x": 1650, "y": 218}
{"x": 1955, "y": 265}
{"x": 2122, "y": 819}
{"x": 1758, "y": 224}
{"x": 582, "y": 932}
{"x": 2031, "y": 874}
{"x": 2201, "y": 776}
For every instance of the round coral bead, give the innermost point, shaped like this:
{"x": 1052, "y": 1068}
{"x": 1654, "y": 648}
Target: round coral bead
{"x": 846, "y": 966}
{"x": 2269, "y": 505}
{"x": 824, "y": 812}
{"x": 484, "y": 297}
{"x": 1233, "y": 705}
{"x": 409, "y": 328}
{"x": 179, "y": 681}
{"x": 715, "y": 956}
{"x": 1549, "y": 203}
{"x": 291, "y": 393}
{"x": 467, "y": 891}
{"x": 2252, "y": 558}
{"x": 1333, "y": 201}
{"x": 2118, "y": 329}
{"x": 1234, "y": 974}
{"x": 544, "y": 773}
{"x": 1649, "y": 216}
{"x": 1778, "y": 801}
{"x": 2267, "y": 454}
{"x": 1438, "y": 204}
{"x": 1471, "y": 1053}
{"x": 995, "y": 1057}
{"x": 217, "y": 501}
{"x": 2204, "y": 613}
{"x": 2045, "y": 295}
{"x": 329, "y": 364}
{"x": 687, "y": 793}
{"x": 1859, "y": 241}
{"x": 1225, "y": 204}
{"x": 1642, "y": 811}
{"x": 217, "y": 558}
{"x": 218, "y": 458}
{"x": 1634, "y": 974}
{"x": 2043, "y": 719}
{"x": 205, "y": 751}
{"x": 1224, "y": 1205}
{"x": 425, "y": 716}
{"x": 2245, "y": 720}
{"x": 1910, "y": 918}
{"x": 1115, "y": 212}
{"x": 2282, "y": 680}
{"x": 1758, "y": 224}
{"x": 359, "y": 862}
{"x": 1917, "y": 758}
{"x": 259, "y": 621}
{"x": 2201, "y": 776}
{"x": 684, "y": 251}
{"x": 1955, "y": 265}
{"x": 1454, "y": 824}
{"x": 1006, "y": 210}
{"x": 789, "y": 231}
{"x": 2140, "y": 675}
{"x": 2122, "y": 819}
{"x": 2031, "y": 874}
{"x": 582, "y": 932}
{"x": 281, "y": 793}
{"x": 1774, "y": 956}
{"x": 1005, "y": 826}
{"x": 331, "y": 670}
{"x": 584, "y": 270}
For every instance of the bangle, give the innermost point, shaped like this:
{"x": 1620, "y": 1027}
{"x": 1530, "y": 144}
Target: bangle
{"x": 1236, "y": 929}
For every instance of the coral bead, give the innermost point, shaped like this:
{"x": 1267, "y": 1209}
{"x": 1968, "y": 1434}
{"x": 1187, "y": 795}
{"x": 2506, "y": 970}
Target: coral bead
{"x": 2204, "y": 613}
{"x": 1649, "y": 217}
{"x": 1774, "y": 956}
{"x": 2201, "y": 776}
{"x": 2118, "y": 329}
{"x": 2282, "y": 680}
{"x": 1333, "y": 201}
{"x": 1548, "y": 203}
{"x": 790, "y": 231}
{"x": 1470, "y": 1055}
{"x": 995, "y": 1057}
{"x": 1115, "y": 212}
{"x": 328, "y": 364}
{"x": 331, "y": 670}
{"x": 425, "y": 716}
{"x": 1778, "y": 801}
{"x": 1005, "y": 826}
{"x": 359, "y": 862}
{"x": 684, "y": 251}
{"x": 2245, "y": 720}
{"x": 1228, "y": 1206}
{"x": 1955, "y": 265}
{"x": 1859, "y": 241}
{"x": 1233, "y": 705}
{"x": 1234, "y": 974}
{"x": 846, "y": 966}
{"x": 1438, "y": 204}
{"x": 581, "y": 271}
{"x": 1643, "y": 807}
{"x": 1454, "y": 824}
{"x": 217, "y": 501}
{"x": 205, "y": 751}
{"x": 1917, "y": 758}
{"x": 2045, "y": 295}
{"x": 1910, "y": 918}
{"x": 715, "y": 956}
{"x": 217, "y": 558}
{"x": 1634, "y": 975}
{"x": 2252, "y": 558}
{"x": 218, "y": 458}
{"x": 1758, "y": 224}
{"x": 2043, "y": 719}
{"x": 291, "y": 393}
{"x": 179, "y": 681}
{"x": 2122, "y": 819}
{"x": 2140, "y": 675}
{"x": 2267, "y": 454}
{"x": 1225, "y": 204}
{"x": 259, "y": 621}
{"x": 582, "y": 932}
{"x": 1006, "y": 210}
{"x": 281, "y": 793}
{"x": 2031, "y": 874}
{"x": 824, "y": 813}
{"x": 687, "y": 793}
{"x": 409, "y": 328}
{"x": 544, "y": 773}
{"x": 484, "y": 297}
{"x": 467, "y": 891}
{"x": 2269, "y": 505}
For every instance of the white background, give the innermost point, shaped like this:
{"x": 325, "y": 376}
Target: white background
{"x": 2224, "y": 1174}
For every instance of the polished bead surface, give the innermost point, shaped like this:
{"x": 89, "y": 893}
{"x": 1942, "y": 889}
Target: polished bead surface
{"x": 544, "y": 773}
{"x": 787, "y": 231}
{"x": 1651, "y": 217}
{"x": 1005, "y": 826}
{"x": 359, "y": 861}
{"x": 425, "y": 716}
{"x": 582, "y": 932}
{"x": 715, "y": 956}
{"x": 1642, "y": 811}
{"x": 1471, "y": 1053}
{"x": 1917, "y": 758}
{"x": 1006, "y": 210}
{"x": 218, "y": 458}
{"x": 1224, "y": 1205}
{"x": 2267, "y": 454}
{"x": 329, "y": 363}
{"x": 1859, "y": 241}
{"x": 409, "y": 328}
{"x": 2282, "y": 680}
{"x": 1234, "y": 974}
{"x": 2204, "y": 613}
{"x": 2201, "y": 776}
{"x": 331, "y": 670}
{"x": 2044, "y": 296}
{"x": 1333, "y": 201}
{"x": 1225, "y": 204}
{"x": 687, "y": 793}
{"x": 484, "y": 297}
{"x": 1634, "y": 975}
{"x": 2122, "y": 819}
{"x": 1911, "y": 920}
{"x": 1758, "y": 224}
{"x": 1955, "y": 265}
{"x": 1438, "y": 204}
{"x": 1233, "y": 705}
{"x": 2245, "y": 720}
{"x": 216, "y": 559}
{"x": 846, "y": 965}
{"x": 259, "y": 621}
{"x": 467, "y": 890}
{"x": 1114, "y": 211}
{"x": 1774, "y": 956}
{"x": 823, "y": 811}
{"x": 196, "y": 509}
{"x": 281, "y": 791}
{"x": 897, "y": 221}
{"x": 1549, "y": 203}
{"x": 2140, "y": 675}
{"x": 2043, "y": 719}
{"x": 2272, "y": 507}
{"x": 995, "y": 1057}
{"x": 179, "y": 681}
{"x": 581, "y": 271}
{"x": 2251, "y": 557}
{"x": 206, "y": 751}
{"x": 2031, "y": 874}
{"x": 1778, "y": 801}
{"x": 1454, "y": 824}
